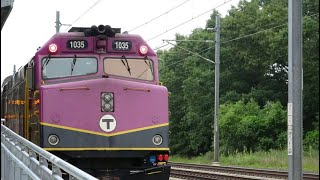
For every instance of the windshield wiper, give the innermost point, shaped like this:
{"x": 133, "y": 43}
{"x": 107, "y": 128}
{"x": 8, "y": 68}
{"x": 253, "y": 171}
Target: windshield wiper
{"x": 46, "y": 61}
{"x": 73, "y": 63}
{"x": 149, "y": 67}
{"x": 127, "y": 66}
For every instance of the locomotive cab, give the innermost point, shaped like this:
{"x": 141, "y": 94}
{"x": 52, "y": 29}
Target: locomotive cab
{"x": 92, "y": 96}
{"x": 100, "y": 105}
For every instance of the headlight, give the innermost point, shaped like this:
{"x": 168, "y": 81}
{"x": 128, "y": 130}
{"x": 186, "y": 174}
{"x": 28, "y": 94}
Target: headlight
{"x": 107, "y": 102}
{"x": 107, "y": 107}
{"x": 53, "y": 139}
{"x": 107, "y": 97}
{"x": 157, "y": 140}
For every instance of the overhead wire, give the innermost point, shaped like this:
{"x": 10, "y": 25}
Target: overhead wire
{"x": 188, "y": 57}
{"x": 245, "y": 36}
{"x": 161, "y": 46}
{"x": 240, "y": 37}
{"x": 191, "y": 40}
{"x": 158, "y": 16}
{"x": 196, "y": 54}
{"x": 85, "y": 12}
{"x": 221, "y": 43}
{"x": 225, "y": 2}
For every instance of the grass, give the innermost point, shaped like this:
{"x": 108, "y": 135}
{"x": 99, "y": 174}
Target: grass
{"x": 273, "y": 159}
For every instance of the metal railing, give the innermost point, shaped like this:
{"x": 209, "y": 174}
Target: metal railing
{"x": 21, "y": 159}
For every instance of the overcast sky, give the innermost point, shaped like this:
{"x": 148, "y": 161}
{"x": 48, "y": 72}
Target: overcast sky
{"x": 32, "y": 22}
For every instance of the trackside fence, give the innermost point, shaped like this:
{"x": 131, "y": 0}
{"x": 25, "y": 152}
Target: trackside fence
{"x": 23, "y": 160}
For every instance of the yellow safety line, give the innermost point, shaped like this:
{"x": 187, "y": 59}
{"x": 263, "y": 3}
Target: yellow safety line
{"x": 103, "y": 149}
{"x": 103, "y": 134}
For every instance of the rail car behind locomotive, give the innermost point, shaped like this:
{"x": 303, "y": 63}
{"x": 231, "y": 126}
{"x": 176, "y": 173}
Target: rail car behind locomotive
{"x": 92, "y": 96}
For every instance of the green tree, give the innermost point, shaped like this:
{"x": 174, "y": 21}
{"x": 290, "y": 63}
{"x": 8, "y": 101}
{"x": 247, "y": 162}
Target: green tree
{"x": 254, "y": 60}
{"x": 244, "y": 126}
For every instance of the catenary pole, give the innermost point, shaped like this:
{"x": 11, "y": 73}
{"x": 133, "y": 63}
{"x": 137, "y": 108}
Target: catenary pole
{"x": 58, "y": 23}
{"x": 295, "y": 60}
{"x": 216, "y": 91}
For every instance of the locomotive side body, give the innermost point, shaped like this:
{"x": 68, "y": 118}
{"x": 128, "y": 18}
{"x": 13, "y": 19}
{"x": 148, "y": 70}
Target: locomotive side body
{"x": 94, "y": 99}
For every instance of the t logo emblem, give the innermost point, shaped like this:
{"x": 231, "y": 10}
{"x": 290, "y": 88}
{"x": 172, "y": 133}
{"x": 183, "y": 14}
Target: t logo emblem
{"x": 108, "y": 123}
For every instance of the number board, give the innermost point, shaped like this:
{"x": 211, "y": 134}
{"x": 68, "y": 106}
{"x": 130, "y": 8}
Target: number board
{"x": 77, "y": 44}
{"x": 121, "y": 45}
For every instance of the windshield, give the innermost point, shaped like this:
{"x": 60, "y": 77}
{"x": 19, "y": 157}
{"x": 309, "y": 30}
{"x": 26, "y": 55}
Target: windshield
{"x": 66, "y": 67}
{"x": 131, "y": 68}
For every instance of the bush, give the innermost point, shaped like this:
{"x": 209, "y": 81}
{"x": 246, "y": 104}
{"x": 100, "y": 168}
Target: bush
{"x": 311, "y": 141}
{"x": 244, "y": 126}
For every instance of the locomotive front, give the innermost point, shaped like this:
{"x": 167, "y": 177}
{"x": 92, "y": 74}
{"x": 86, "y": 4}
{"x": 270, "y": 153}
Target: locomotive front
{"x": 100, "y": 104}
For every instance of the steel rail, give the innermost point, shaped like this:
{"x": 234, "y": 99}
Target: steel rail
{"x": 261, "y": 173}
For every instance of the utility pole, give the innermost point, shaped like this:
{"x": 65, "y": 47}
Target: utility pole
{"x": 14, "y": 69}
{"x": 14, "y": 74}
{"x": 216, "y": 92}
{"x": 58, "y": 23}
{"x": 295, "y": 61}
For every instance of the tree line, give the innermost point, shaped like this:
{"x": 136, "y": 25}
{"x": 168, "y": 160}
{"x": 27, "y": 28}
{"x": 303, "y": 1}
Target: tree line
{"x": 253, "y": 80}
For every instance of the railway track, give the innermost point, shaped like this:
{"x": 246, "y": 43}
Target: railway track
{"x": 207, "y": 172}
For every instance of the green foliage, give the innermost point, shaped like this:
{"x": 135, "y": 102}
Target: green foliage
{"x": 273, "y": 127}
{"x": 311, "y": 67}
{"x": 273, "y": 159}
{"x": 246, "y": 126}
{"x": 253, "y": 76}
{"x": 311, "y": 141}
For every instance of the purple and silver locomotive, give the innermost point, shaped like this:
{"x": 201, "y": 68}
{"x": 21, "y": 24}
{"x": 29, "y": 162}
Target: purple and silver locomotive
{"x": 92, "y": 96}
